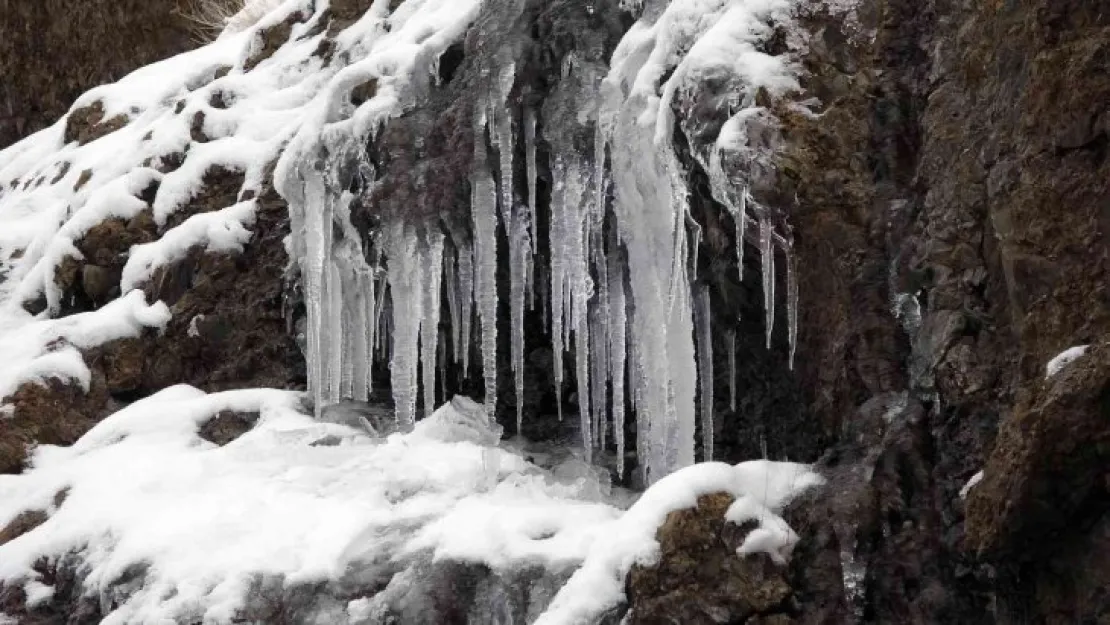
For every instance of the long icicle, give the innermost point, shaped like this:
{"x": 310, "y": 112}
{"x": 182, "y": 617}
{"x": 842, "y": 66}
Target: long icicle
{"x": 792, "y": 302}
{"x": 466, "y": 301}
{"x": 519, "y": 255}
{"x": 767, "y": 255}
{"x": 406, "y": 289}
{"x": 617, "y": 351}
{"x": 730, "y": 340}
{"x": 483, "y": 210}
{"x": 451, "y": 288}
{"x": 533, "y": 171}
{"x": 432, "y": 270}
{"x": 702, "y": 324}
{"x": 558, "y": 276}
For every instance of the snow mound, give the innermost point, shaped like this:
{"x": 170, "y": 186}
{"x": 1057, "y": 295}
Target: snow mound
{"x": 144, "y": 490}
{"x": 761, "y": 489}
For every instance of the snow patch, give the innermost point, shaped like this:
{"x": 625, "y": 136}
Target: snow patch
{"x": 218, "y": 231}
{"x": 762, "y": 488}
{"x": 971, "y": 483}
{"x": 144, "y": 488}
{"x": 1063, "y": 359}
{"x": 37, "y": 350}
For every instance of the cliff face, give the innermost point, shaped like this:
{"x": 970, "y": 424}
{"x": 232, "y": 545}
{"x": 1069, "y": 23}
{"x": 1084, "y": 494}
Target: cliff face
{"x": 53, "y": 51}
{"x": 959, "y": 180}
{"x": 949, "y": 208}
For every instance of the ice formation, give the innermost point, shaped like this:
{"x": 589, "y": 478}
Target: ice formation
{"x": 617, "y": 278}
{"x": 615, "y": 286}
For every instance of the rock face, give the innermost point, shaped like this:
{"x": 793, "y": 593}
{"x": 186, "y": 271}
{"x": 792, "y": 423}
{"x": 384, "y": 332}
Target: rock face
{"x": 52, "y": 51}
{"x": 699, "y": 579}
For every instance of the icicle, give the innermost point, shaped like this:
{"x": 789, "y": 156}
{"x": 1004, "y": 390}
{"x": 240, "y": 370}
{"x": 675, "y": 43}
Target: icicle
{"x": 350, "y": 345}
{"x": 334, "y": 333}
{"x": 730, "y": 338}
{"x": 450, "y": 286}
{"x": 649, "y": 206}
{"x": 767, "y": 254}
{"x": 599, "y": 375}
{"x": 582, "y": 358}
{"x": 556, "y": 296}
{"x": 519, "y": 255}
{"x": 361, "y": 331}
{"x": 695, "y": 244}
{"x": 466, "y": 299}
{"x": 483, "y": 210}
{"x": 702, "y": 322}
{"x": 406, "y": 266}
{"x": 741, "y": 226}
{"x": 792, "y": 302}
{"x": 317, "y": 228}
{"x": 503, "y": 126}
{"x": 533, "y": 170}
{"x": 617, "y": 352}
{"x": 441, "y": 361}
{"x": 431, "y": 260}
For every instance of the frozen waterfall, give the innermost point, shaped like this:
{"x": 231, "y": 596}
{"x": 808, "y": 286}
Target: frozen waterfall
{"x": 609, "y": 252}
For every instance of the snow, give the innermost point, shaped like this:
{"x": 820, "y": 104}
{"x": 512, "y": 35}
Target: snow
{"x": 761, "y": 489}
{"x": 971, "y": 483}
{"x": 218, "y": 231}
{"x": 142, "y": 487}
{"x": 1063, "y": 359}
{"x": 37, "y": 350}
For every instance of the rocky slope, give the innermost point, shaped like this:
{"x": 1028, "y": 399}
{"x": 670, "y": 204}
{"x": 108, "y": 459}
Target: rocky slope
{"x": 948, "y": 208}
{"x": 53, "y": 51}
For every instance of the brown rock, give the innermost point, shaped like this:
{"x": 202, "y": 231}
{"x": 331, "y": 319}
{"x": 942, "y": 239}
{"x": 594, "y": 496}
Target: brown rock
{"x": 54, "y": 50}
{"x": 87, "y": 124}
{"x": 699, "y": 578}
{"x": 227, "y": 426}
{"x": 100, "y": 284}
{"x": 23, "y": 523}
{"x": 55, "y": 412}
{"x": 268, "y": 41}
{"x": 123, "y": 362}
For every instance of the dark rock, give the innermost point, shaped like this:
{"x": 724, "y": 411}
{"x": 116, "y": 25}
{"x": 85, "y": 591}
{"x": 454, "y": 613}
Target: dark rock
{"x": 88, "y": 124}
{"x": 699, "y": 578}
{"x": 54, "y": 50}
{"x": 54, "y": 413}
{"x": 100, "y": 284}
{"x": 23, "y": 523}
{"x": 268, "y": 40}
{"x": 227, "y": 426}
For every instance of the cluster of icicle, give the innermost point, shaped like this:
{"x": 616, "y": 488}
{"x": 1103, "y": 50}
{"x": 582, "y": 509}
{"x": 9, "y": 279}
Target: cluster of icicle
{"x": 619, "y": 285}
